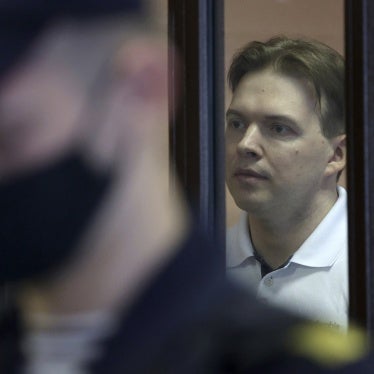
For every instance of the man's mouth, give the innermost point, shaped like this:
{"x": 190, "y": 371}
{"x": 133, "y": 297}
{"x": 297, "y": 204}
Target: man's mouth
{"x": 249, "y": 175}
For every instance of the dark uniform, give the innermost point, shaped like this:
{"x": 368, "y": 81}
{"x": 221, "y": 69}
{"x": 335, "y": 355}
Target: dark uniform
{"x": 191, "y": 320}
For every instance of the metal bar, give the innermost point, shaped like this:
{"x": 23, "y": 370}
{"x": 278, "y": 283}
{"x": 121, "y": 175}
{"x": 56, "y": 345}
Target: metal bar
{"x": 197, "y": 128}
{"x": 360, "y": 130}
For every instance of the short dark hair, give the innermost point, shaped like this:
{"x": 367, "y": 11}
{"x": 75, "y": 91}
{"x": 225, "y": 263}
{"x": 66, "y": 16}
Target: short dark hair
{"x": 314, "y": 61}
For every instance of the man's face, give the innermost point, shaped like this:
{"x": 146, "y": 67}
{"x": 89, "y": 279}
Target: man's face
{"x": 69, "y": 145}
{"x": 276, "y": 154}
{"x": 48, "y": 192}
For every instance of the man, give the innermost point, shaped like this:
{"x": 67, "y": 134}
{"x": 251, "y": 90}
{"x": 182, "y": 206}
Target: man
{"x": 109, "y": 274}
{"x": 285, "y": 150}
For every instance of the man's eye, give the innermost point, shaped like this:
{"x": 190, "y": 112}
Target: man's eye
{"x": 280, "y": 129}
{"x": 236, "y": 124}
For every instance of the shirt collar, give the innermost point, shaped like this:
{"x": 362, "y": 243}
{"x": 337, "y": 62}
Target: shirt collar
{"x": 320, "y": 249}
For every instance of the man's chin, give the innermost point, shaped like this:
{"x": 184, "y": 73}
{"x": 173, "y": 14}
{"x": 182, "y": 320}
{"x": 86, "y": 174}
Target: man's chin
{"x": 254, "y": 205}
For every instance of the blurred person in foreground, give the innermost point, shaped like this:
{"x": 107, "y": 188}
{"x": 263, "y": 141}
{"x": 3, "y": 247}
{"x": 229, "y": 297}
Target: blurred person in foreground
{"x": 109, "y": 273}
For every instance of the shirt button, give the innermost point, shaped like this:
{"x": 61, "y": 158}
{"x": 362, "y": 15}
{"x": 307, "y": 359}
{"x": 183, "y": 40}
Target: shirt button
{"x": 269, "y": 281}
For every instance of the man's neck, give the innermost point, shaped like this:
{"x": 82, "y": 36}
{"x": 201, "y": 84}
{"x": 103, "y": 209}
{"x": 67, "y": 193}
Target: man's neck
{"x": 277, "y": 237}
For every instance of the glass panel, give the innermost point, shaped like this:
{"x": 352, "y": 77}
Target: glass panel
{"x": 260, "y": 20}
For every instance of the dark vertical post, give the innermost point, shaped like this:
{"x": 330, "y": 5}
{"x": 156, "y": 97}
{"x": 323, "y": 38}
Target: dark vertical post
{"x": 184, "y": 95}
{"x": 197, "y": 127}
{"x": 360, "y": 130}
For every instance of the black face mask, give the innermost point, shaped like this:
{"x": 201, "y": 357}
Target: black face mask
{"x": 43, "y": 215}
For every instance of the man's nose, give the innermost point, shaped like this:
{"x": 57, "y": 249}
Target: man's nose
{"x": 250, "y": 144}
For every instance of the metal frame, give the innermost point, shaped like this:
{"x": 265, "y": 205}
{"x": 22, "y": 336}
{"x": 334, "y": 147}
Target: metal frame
{"x": 196, "y": 136}
{"x": 360, "y": 129}
{"x": 197, "y": 127}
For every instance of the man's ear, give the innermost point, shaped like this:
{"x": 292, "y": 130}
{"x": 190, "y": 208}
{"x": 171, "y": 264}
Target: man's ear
{"x": 338, "y": 159}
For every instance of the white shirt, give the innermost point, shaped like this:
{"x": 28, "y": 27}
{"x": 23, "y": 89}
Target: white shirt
{"x": 314, "y": 283}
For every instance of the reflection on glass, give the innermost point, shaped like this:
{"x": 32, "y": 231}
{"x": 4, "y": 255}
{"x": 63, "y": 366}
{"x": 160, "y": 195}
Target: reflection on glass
{"x": 285, "y": 151}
